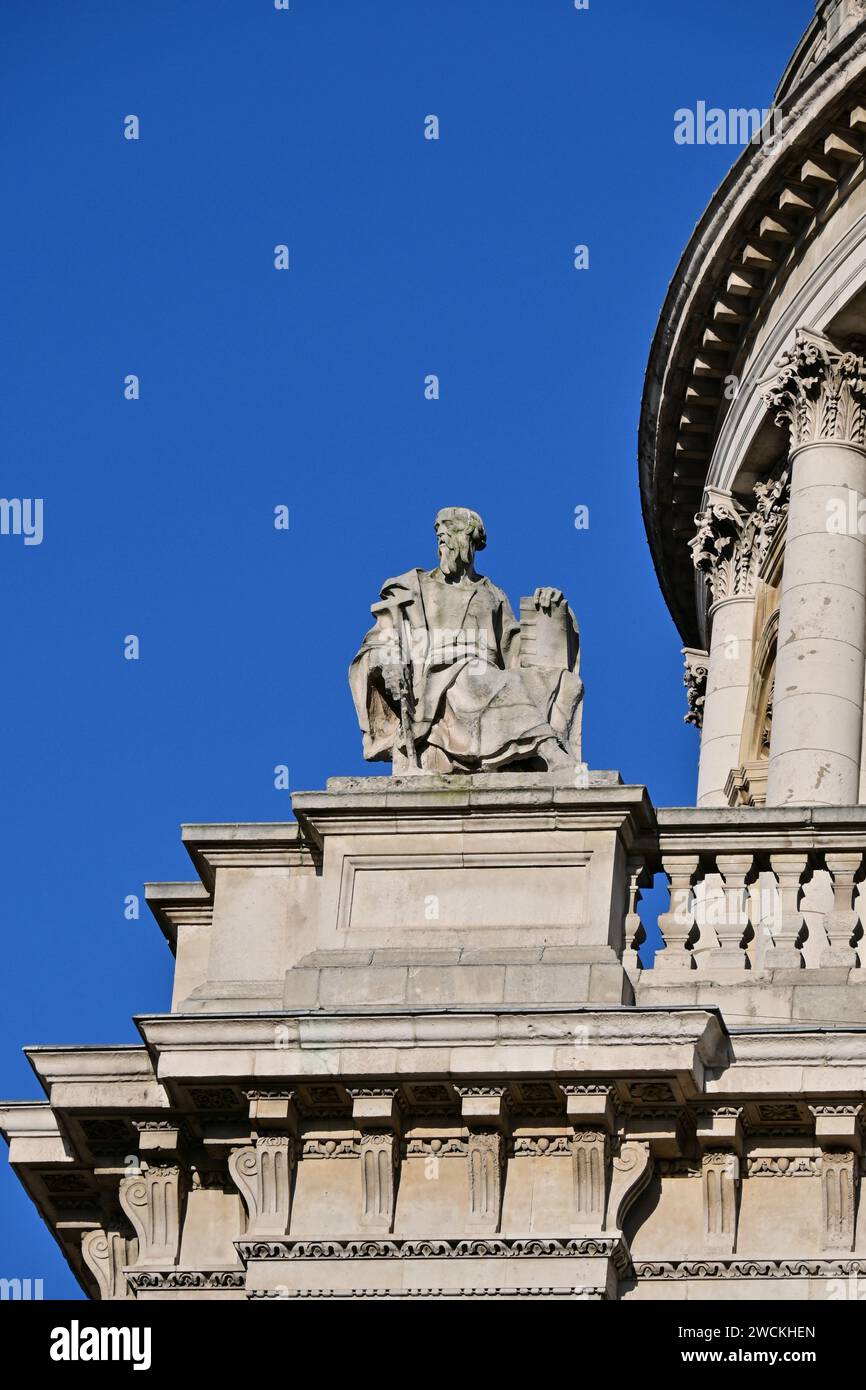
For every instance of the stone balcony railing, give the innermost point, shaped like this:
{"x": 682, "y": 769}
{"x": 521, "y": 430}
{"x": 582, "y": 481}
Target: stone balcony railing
{"x": 763, "y": 897}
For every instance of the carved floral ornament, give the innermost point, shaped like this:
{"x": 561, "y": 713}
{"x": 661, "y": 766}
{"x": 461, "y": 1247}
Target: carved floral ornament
{"x": 732, "y": 540}
{"x": 818, "y": 390}
{"x": 695, "y": 680}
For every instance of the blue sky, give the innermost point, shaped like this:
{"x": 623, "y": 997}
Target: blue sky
{"x": 305, "y": 388}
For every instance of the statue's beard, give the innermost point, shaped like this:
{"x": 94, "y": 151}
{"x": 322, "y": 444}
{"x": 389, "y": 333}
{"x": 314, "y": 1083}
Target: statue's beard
{"x": 455, "y": 556}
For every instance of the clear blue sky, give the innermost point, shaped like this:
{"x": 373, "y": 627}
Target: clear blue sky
{"x": 305, "y": 388}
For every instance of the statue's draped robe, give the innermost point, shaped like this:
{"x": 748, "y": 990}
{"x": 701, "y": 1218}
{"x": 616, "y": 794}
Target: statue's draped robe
{"x": 461, "y": 643}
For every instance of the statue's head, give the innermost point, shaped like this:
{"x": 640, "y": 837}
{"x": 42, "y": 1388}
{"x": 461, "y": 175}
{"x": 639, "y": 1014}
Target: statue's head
{"x": 460, "y": 533}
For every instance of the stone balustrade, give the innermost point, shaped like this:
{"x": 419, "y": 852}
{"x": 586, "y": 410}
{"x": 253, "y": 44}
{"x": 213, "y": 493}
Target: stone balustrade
{"x": 754, "y": 890}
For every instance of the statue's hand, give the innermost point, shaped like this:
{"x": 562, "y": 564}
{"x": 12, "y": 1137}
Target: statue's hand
{"x": 547, "y": 599}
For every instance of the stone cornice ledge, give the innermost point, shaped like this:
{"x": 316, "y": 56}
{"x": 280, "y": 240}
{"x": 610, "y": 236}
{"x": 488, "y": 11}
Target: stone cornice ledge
{"x": 179, "y": 904}
{"x": 460, "y": 803}
{"x": 753, "y": 828}
{"x": 793, "y": 1059}
{"x": 807, "y": 1045}
{"x": 27, "y": 1119}
{"x": 681, "y": 1041}
{"x": 77, "y": 1076}
{"x": 32, "y": 1132}
{"x": 240, "y": 844}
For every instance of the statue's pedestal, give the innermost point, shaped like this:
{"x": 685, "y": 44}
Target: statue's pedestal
{"x": 428, "y": 891}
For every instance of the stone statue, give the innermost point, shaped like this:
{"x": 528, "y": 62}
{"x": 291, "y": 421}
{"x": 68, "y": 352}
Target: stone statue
{"x": 448, "y": 681}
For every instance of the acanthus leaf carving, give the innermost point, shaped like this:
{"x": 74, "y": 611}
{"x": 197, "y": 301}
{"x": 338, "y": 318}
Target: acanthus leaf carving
{"x": 732, "y": 539}
{"x": 697, "y": 668}
{"x": 818, "y": 391}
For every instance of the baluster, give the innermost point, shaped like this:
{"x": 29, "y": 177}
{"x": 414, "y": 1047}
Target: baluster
{"x": 676, "y": 924}
{"x": 633, "y": 928}
{"x": 709, "y": 910}
{"x": 763, "y": 903}
{"x": 735, "y": 921}
{"x": 843, "y": 922}
{"x": 787, "y": 927}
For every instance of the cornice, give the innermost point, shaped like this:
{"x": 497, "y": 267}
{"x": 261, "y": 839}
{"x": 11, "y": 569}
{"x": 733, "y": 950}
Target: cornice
{"x": 818, "y": 49}
{"x": 125, "y": 1062}
{"x": 28, "y": 1119}
{"x": 679, "y": 1042}
{"x": 683, "y": 830}
{"x": 461, "y": 805}
{"x": 729, "y": 274}
{"x": 176, "y": 905}
{"x": 278, "y": 844}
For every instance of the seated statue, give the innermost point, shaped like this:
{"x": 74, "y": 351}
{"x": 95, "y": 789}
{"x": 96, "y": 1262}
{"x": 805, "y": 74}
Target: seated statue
{"x": 448, "y": 681}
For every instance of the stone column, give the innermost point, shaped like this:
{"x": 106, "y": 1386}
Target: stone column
{"x": 730, "y": 667}
{"x": 815, "y": 747}
{"x": 728, "y": 547}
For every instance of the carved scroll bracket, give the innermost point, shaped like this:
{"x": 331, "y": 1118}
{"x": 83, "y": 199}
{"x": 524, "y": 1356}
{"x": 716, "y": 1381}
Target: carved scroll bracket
{"x": 262, "y": 1173}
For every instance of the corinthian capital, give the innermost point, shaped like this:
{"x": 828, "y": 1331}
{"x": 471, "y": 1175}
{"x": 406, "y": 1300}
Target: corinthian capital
{"x": 818, "y": 390}
{"x": 695, "y": 680}
{"x": 717, "y": 547}
{"x": 732, "y": 539}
